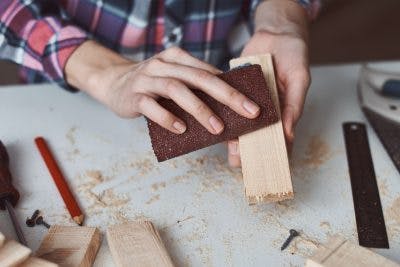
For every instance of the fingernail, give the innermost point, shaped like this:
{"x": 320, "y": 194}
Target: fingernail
{"x": 216, "y": 124}
{"x": 251, "y": 107}
{"x": 180, "y": 127}
{"x": 234, "y": 148}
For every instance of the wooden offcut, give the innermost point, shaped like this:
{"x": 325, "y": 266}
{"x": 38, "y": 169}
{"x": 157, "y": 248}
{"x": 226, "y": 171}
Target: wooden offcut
{"x": 70, "y": 246}
{"x": 13, "y": 253}
{"x": 137, "y": 243}
{"x": 264, "y": 158}
{"x": 340, "y": 252}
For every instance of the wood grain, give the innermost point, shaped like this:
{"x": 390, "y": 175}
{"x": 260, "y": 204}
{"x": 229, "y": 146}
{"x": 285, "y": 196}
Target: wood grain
{"x": 70, "y": 245}
{"x": 13, "y": 253}
{"x": 37, "y": 262}
{"x": 265, "y": 163}
{"x": 340, "y": 252}
{"x": 137, "y": 243}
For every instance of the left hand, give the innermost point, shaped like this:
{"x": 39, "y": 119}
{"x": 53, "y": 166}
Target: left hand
{"x": 289, "y": 48}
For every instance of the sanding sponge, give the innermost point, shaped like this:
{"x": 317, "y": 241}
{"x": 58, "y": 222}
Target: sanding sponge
{"x": 248, "y": 80}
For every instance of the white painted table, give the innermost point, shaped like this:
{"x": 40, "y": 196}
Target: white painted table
{"x": 196, "y": 201}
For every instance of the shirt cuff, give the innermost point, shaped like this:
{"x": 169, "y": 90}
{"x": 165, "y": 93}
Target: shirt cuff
{"x": 55, "y": 43}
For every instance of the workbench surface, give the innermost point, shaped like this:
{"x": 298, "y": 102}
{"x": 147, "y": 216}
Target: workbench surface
{"x": 196, "y": 201}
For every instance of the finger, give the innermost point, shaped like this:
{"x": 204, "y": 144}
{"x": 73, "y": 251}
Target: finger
{"x": 180, "y": 56}
{"x": 188, "y": 101}
{"x": 211, "y": 85}
{"x": 233, "y": 153}
{"x": 295, "y": 94}
{"x": 152, "y": 110}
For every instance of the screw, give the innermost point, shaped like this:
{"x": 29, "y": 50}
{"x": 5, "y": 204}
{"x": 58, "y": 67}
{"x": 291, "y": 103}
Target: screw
{"x": 293, "y": 234}
{"x": 30, "y": 222}
{"x": 40, "y": 221}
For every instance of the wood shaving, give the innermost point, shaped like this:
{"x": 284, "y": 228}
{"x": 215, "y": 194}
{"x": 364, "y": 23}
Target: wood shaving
{"x": 107, "y": 204}
{"x": 153, "y": 199}
{"x": 156, "y": 186}
{"x": 326, "y": 226}
{"x": 70, "y": 135}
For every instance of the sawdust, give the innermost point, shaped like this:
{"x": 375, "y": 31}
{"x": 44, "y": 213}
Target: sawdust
{"x": 107, "y": 203}
{"x": 153, "y": 199}
{"x": 70, "y": 135}
{"x": 326, "y": 226}
{"x": 144, "y": 165}
{"x": 392, "y": 217}
{"x": 213, "y": 170}
{"x": 204, "y": 253}
{"x": 181, "y": 178}
{"x": 156, "y": 186}
{"x": 303, "y": 245}
{"x": 393, "y": 211}
{"x": 317, "y": 152}
{"x": 383, "y": 187}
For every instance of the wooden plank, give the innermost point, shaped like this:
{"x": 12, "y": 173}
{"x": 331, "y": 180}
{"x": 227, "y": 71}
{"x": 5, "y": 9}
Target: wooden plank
{"x": 37, "y": 262}
{"x": 137, "y": 243}
{"x": 340, "y": 252}
{"x": 13, "y": 253}
{"x": 265, "y": 163}
{"x": 70, "y": 245}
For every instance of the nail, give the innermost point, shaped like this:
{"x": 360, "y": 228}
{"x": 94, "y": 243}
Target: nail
{"x": 216, "y": 124}
{"x": 180, "y": 127}
{"x": 233, "y": 148}
{"x": 251, "y": 107}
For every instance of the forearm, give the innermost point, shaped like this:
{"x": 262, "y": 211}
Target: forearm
{"x": 282, "y": 17}
{"x": 35, "y": 34}
{"x": 88, "y": 66}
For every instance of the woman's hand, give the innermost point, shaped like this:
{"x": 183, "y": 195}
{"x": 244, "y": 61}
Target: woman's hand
{"x": 132, "y": 89}
{"x": 282, "y": 30}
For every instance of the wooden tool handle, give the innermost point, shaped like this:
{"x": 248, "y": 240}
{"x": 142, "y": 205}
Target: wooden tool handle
{"x": 7, "y": 190}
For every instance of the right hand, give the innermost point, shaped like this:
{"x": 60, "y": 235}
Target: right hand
{"x": 132, "y": 89}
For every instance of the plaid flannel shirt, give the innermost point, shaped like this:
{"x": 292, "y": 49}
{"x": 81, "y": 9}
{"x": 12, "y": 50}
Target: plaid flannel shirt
{"x": 40, "y": 35}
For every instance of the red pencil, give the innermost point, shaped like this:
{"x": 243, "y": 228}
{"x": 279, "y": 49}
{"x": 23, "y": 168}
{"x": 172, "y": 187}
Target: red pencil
{"x": 60, "y": 182}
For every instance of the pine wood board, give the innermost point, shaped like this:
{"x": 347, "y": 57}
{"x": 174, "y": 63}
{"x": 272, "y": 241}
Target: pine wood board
{"x": 264, "y": 158}
{"x": 341, "y": 252}
{"x": 70, "y": 245}
{"x": 137, "y": 243}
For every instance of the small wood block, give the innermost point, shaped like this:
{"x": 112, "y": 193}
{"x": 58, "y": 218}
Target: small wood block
{"x": 265, "y": 163}
{"x": 340, "y": 252}
{"x": 137, "y": 244}
{"x": 70, "y": 245}
{"x": 36, "y": 262}
{"x": 13, "y": 253}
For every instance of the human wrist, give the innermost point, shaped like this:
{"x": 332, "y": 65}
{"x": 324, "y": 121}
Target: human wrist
{"x": 88, "y": 68}
{"x": 283, "y": 17}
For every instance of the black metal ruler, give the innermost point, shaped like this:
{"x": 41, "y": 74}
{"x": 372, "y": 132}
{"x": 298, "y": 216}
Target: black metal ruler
{"x": 367, "y": 204}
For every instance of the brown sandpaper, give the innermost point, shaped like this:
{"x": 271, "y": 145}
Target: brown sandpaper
{"x": 248, "y": 80}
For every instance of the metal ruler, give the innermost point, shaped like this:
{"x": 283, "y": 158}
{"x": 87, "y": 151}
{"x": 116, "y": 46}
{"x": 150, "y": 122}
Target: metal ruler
{"x": 367, "y": 204}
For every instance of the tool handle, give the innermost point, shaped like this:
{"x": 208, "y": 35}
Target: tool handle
{"x": 7, "y": 190}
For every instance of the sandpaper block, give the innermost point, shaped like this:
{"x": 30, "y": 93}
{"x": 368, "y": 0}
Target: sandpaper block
{"x": 248, "y": 80}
